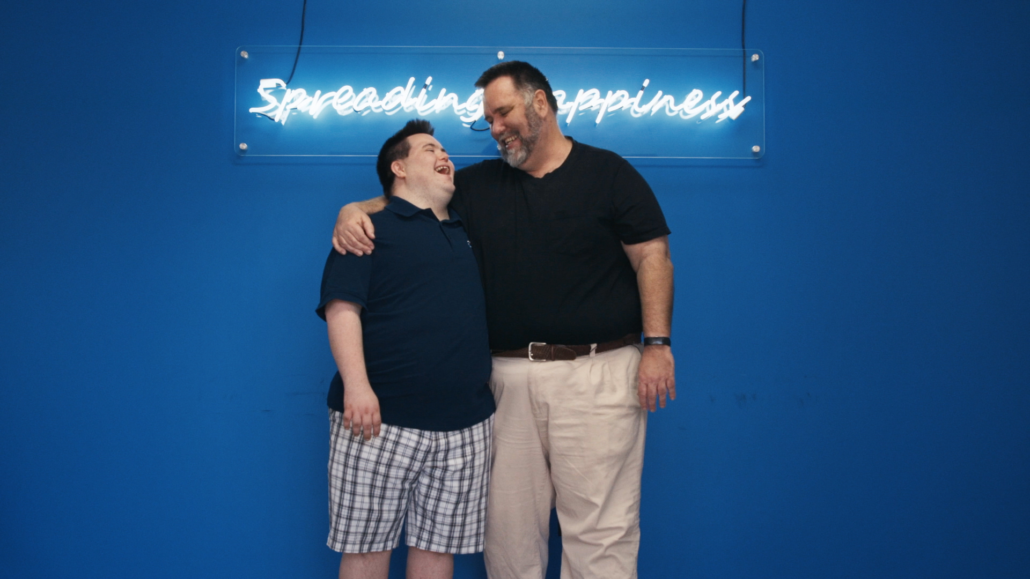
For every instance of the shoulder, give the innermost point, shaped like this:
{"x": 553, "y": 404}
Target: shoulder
{"x": 600, "y": 164}
{"x": 385, "y": 218}
{"x": 340, "y": 268}
{"x": 488, "y": 169}
{"x": 607, "y": 168}
{"x": 592, "y": 154}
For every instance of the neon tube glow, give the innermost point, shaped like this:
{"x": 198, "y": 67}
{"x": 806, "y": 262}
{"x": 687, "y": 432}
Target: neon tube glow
{"x": 282, "y": 101}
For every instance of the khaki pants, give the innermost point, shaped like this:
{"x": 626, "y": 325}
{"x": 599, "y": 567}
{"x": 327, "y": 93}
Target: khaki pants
{"x": 568, "y": 435}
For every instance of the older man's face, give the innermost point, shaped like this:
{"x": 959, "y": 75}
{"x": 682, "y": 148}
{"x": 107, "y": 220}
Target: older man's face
{"x": 514, "y": 125}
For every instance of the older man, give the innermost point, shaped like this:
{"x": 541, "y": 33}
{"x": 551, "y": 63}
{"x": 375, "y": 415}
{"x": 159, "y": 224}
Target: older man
{"x": 573, "y": 252}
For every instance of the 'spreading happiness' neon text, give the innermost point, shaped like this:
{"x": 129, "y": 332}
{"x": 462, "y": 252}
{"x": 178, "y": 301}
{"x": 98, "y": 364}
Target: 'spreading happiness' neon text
{"x": 282, "y": 101}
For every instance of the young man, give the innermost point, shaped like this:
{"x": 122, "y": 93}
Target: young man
{"x": 410, "y": 409}
{"x": 574, "y": 256}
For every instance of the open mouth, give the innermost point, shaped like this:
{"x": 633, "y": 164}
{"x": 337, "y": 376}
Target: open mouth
{"x": 509, "y": 140}
{"x": 444, "y": 170}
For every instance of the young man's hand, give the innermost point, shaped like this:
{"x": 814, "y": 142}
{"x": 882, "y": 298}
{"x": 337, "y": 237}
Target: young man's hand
{"x": 361, "y": 411}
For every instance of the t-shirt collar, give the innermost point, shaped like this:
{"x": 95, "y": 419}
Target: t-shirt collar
{"x": 559, "y": 168}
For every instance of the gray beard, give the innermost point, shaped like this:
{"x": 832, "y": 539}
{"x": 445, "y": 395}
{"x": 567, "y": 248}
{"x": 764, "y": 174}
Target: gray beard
{"x": 517, "y": 157}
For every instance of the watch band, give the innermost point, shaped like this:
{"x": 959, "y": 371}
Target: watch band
{"x": 660, "y": 341}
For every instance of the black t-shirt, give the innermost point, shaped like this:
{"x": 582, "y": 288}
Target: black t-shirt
{"x": 422, "y": 320}
{"x": 549, "y": 249}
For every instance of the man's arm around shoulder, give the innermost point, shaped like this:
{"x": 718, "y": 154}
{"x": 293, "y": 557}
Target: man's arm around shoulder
{"x": 657, "y": 378}
{"x": 360, "y": 404}
{"x": 354, "y": 231}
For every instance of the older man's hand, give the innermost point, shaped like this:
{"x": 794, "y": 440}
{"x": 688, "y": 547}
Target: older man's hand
{"x": 656, "y": 378}
{"x": 354, "y": 231}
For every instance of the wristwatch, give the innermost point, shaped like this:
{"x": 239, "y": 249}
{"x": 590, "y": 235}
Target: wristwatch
{"x": 659, "y": 341}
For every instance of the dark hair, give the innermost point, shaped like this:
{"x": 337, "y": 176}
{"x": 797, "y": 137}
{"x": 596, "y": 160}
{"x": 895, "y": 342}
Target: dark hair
{"x": 525, "y": 76}
{"x": 398, "y": 147}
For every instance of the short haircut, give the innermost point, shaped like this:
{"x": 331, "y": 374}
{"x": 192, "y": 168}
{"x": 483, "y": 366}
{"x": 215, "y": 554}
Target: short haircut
{"x": 525, "y": 76}
{"x": 398, "y": 147}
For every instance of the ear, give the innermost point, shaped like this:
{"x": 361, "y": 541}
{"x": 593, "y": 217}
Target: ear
{"x": 540, "y": 104}
{"x": 398, "y": 169}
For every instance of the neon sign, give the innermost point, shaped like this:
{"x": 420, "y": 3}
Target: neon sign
{"x": 281, "y": 101}
{"x": 643, "y": 103}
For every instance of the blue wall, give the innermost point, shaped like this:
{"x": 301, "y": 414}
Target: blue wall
{"x": 852, "y": 325}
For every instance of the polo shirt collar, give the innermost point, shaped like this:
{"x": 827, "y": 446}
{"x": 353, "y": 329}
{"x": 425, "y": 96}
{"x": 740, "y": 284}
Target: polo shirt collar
{"x": 404, "y": 208}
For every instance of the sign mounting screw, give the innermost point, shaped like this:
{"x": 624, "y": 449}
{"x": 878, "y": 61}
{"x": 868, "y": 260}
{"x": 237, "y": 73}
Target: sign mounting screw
{"x": 500, "y": 55}
{"x": 754, "y": 58}
{"x": 244, "y": 54}
{"x": 756, "y": 149}
{"x": 243, "y": 146}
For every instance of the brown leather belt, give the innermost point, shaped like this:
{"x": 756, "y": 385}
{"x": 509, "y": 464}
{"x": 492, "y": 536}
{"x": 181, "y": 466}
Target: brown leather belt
{"x": 541, "y": 352}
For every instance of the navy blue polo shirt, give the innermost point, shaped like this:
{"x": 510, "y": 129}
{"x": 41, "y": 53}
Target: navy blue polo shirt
{"x": 423, "y": 320}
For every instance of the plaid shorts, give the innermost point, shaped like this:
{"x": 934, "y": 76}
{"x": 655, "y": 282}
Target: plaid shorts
{"x": 437, "y": 480}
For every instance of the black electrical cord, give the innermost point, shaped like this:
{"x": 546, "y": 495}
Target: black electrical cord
{"x": 743, "y": 50}
{"x": 303, "y": 16}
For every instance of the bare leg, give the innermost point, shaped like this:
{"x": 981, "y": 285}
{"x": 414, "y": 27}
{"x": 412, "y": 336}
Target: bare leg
{"x": 429, "y": 565}
{"x": 365, "y": 565}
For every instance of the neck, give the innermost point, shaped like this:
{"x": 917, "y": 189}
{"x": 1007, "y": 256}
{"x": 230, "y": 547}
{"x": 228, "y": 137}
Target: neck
{"x": 551, "y": 150}
{"x": 426, "y": 200}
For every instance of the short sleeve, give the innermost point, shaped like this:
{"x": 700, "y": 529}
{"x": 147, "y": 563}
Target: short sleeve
{"x": 638, "y": 217}
{"x": 347, "y": 278}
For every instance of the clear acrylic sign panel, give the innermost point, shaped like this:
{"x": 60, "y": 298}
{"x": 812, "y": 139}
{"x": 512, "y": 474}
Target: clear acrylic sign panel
{"x": 344, "y": 101}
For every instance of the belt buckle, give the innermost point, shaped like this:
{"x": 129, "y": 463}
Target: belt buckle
{"x": 529, "y": 350}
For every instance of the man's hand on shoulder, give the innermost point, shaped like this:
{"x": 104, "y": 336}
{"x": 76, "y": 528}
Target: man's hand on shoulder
{"x": 361, "y": 411}
{"x": 656, "y": 378}
{"x": 353, "y": 232}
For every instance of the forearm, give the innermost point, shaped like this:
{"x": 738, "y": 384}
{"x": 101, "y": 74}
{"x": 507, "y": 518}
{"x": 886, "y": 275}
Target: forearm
{"x": 346, "y": 342}
{"x": 655, "y": 281}
{"x": 653, "y": 265}
{"x": 369, "y": 206}
{"x": 657, "y": 372}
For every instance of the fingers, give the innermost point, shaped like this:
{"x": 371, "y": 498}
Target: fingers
{"x": 647, "y": 393}
{"x": 354, "y": 235}
{"x": 358, "y": 244}
{"x": 338, "y": 244}
{"x": 663, "y": 391}
{"x": 362, "y": 428}
{"x": 362, "y": 235}
{"x": 354, "y": 238}
{"x": 656, "y": 379}
{"x": 654, "y": 393}
{"x": 364, "y": 425}
{"x": 367, "y": 428}
{"x": 370, "y": 231}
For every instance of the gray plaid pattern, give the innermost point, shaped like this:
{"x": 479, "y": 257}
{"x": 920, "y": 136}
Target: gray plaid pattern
{"x": 436, "y": 480}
